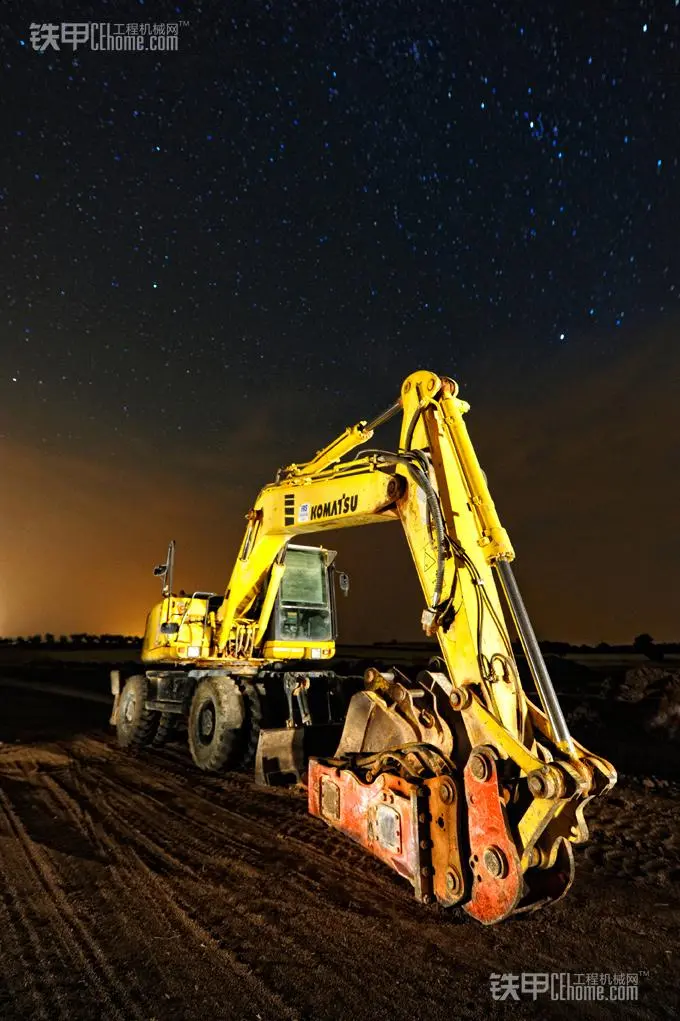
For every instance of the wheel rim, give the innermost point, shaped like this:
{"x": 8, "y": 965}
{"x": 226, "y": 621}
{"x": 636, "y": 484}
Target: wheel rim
{"x": 206, "y": 723}
{"x": 129, "y": 707}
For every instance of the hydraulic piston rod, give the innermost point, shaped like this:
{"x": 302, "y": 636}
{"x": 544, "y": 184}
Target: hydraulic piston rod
{"x": 385, "y": 416}
{"x": 539, "y": 671}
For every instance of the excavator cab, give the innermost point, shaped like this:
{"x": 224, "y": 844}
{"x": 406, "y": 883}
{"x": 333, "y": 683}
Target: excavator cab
{"x": 303, "y": 622}
{"x": 303, "y": 625}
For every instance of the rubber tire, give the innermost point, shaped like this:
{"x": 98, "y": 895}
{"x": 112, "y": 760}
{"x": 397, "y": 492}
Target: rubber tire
{"x": 136, "y": 726}
{"x": 253, "y": 723}
{"x": 167, "y": 729}
{"x": 217, "y": 701}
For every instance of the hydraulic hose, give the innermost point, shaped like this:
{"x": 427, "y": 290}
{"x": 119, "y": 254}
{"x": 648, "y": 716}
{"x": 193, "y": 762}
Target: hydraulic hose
{"x": 408, "y": 440}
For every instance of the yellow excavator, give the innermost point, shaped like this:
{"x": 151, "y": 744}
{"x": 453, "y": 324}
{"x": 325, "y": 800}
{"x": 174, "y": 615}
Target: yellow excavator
{"x": 454, "y": 778}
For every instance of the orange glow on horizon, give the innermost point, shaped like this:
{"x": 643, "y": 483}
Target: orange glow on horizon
{"x": 584, "y": 479}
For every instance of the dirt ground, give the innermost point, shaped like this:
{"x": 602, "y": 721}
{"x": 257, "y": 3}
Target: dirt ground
{"x": 134, "y": 887}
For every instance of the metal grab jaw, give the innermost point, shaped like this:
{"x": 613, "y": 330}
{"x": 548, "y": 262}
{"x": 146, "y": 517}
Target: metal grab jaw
{"x": 392, "y": 817}
{"x": 487, "y": 826}
{"x": 447, "y": 835}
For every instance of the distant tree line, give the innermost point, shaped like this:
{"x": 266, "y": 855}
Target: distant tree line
{"x": 643, "y": 644}
{"x": 78, "y": 641}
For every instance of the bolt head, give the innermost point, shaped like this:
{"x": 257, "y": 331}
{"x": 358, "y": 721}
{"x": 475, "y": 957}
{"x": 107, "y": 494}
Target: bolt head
{"x": 453, "y": 881}
{"x": 495, "y": 862}
{"x": 459, "y": 698}
{"x": 446, "y": 793}
{"x": 536, "y": 784}
{"x": 545, "y": 783}
{"x": 480, "y": 767}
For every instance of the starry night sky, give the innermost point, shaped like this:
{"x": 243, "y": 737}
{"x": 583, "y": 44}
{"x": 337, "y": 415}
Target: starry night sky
{"x": 214, "y": 260}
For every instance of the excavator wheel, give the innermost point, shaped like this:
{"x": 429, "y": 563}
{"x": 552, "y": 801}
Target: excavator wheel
{"x": 136, "y": 726}
{"x": 250, "y": 733}
{"x": 216, "y": 720}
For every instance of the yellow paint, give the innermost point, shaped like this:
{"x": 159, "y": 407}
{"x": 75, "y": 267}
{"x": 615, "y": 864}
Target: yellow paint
{"x": 329, "y": 493}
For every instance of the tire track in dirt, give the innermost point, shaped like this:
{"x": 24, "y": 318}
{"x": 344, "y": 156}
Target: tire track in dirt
{"x": 273, "y": 816}
{"x": 617, "y": 846}
{"x": 34, "y": 969}
{"x": 75, "y": 937}
{"x": 277, "y": 821}
{"x": 157, "y": 886}
{"x": 146, "y": 888}
{"x": 281, "y": 827}
{"x": 429, "y": 955}
{"x": 142, "y": 915}
{"x": 146, "y": 905}
{"x": 195, "y": 867}
{"x": 137, "y": 823}
{"x": 340, "y": 909}
{"x": 218, "y": 952}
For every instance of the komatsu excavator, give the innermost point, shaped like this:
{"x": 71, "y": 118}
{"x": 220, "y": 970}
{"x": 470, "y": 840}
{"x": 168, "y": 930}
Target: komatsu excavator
{"x": 455, "y": 779}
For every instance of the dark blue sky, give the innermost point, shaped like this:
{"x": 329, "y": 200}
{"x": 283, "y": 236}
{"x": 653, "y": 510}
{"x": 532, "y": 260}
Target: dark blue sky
{"x": 252, "y": 240}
